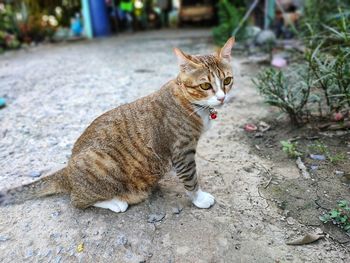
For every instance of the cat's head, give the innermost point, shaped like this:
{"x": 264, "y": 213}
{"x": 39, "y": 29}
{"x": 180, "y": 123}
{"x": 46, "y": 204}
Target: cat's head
{"x": 206, "y": 79}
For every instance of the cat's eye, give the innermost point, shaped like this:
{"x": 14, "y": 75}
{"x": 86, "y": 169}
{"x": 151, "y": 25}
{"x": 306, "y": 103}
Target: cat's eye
{"x": 227, "y": 80}
{"x": 205, "y": 86}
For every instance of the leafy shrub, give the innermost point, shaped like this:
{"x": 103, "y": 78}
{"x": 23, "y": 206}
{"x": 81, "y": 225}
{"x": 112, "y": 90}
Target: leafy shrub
{"x": 34, "y": 30}
{"x": 30, "y": 21}
{"x": 320, "y": 148}
{"x": 339, "y": 216}
{"x": 321, "y": 18}
{"x": 288, "y": 91}
{"x": 8, "y": 28}
{"x": 320, "y": 83}
{"x": 329, "y": 59}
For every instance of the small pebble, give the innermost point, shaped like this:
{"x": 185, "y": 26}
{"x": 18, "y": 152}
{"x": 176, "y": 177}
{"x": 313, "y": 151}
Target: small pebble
{"x": 155, "y": 217}
{"x": 56, "y": 213}
{"x": 314, "y": 167}
{"x": 122, "y": 240}
{"x": 55, "y": 235}
{"x": 177, "y": 210}
{"x": 35, "y": 174}
{"x": 339, "y": 173}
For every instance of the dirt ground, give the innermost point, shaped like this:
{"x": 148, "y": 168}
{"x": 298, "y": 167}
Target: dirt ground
{"x": 55, "y": 91}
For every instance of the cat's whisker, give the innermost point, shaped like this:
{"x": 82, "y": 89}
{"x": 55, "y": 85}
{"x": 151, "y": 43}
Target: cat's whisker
{"x": 195, "y": 111}
{"x": 201, "y": 107}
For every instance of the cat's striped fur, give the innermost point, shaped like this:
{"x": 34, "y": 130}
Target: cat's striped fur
{"x": 122, "y": 155}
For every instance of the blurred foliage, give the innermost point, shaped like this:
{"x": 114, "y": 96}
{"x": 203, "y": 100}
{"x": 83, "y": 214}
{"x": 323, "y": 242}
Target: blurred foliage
{"x": 230, "y": 14}
{"x": 28, "y": 21}
{"x": 326, "y": 22}
{"x": 318, "y": 13}
{"x": 48, "y": 7}
{"x": 8, "y": 29}
{"x": 320, "y": 83}
{"x": 289, "y": 91}
{"x": 291, "y": 149}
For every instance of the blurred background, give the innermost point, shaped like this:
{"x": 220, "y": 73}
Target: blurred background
{"x": 30, "y": 22}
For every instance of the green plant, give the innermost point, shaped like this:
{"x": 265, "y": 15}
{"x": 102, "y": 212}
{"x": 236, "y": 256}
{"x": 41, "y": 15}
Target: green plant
{"x": 337, "y": 158}
{"x": 319, "y": 84}
{"x": 340, "y": 215}
{"x": 290, "y": 148}
{"x": 330, "y": 73}
{"x": 8, "y": 28}
{"x": 229, "y": 18}
{"x": 320, "y": 148}
{"x": 328, "y": 39}
{"x": 288, "y": 91}
{"x": 321, "y": 21}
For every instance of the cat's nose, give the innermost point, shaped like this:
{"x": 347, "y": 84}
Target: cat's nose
{"x": 221, "y": 99}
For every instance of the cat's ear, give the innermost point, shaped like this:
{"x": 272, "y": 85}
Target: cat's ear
{"x": 185, "y": 63}
{"x": 225, "y": 52}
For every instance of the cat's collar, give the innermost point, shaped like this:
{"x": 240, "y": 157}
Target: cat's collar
{"x": 213, "y": 114}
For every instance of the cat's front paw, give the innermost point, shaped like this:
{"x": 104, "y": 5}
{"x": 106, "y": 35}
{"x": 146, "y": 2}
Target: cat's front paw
{"x": 203, "y": 199}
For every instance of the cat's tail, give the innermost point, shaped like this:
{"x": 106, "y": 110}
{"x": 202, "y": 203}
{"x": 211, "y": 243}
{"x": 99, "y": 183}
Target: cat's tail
{"x": 54, "y": 183}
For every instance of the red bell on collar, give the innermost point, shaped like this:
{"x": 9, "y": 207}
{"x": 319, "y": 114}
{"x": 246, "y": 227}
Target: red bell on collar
{"x": 213, "y": 114}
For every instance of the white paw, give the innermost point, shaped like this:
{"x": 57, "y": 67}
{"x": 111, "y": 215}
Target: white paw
{"x": 202, "y": 199}
{"x": 114, "y": 204}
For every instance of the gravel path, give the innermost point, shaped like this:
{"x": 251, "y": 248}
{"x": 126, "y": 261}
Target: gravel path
{"x": 55, "y": 91}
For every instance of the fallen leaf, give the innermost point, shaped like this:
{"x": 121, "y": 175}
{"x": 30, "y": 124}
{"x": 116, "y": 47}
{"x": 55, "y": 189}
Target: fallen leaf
{"x": 80, "y": 248}
{"x": 155, "y": 217}
{"x": 307, "y": 239}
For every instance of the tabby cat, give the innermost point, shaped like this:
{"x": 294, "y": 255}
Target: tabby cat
{"x": 122, "y": 155}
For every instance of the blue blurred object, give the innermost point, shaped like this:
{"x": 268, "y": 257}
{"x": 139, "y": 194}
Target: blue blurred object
{"x": 99, "y": 17}
{"x": 35, "y": 174}
{"x": 76, "y": 26}
{"x": 2, "y": 103}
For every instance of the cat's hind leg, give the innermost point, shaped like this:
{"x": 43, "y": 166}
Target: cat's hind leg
{"x": 114, "y": 204}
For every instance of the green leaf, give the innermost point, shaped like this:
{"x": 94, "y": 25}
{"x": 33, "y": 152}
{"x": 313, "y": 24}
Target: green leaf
{"x": 343, "y": 219}
{"x": 285, "y": 143}
{"x": 334, "y": 213}
{"x": 343, "y": 203}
